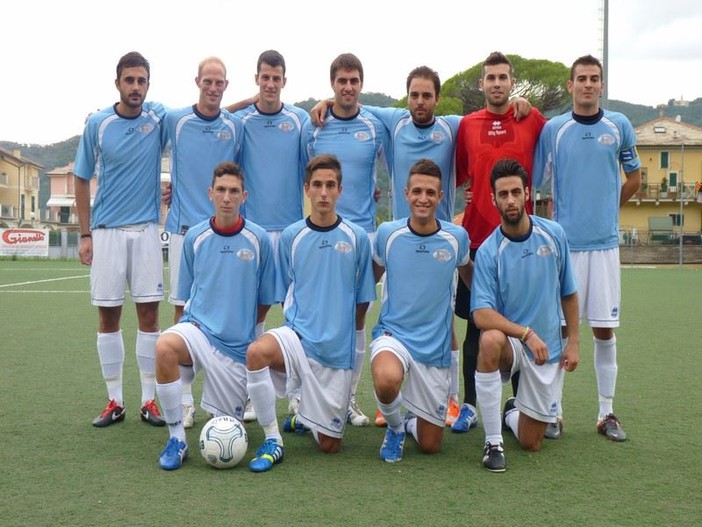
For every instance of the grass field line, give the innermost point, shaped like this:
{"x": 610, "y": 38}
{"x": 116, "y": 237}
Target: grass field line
{"x": 25, "y": 292}
{"x": 32, "y": 282}
{"x": 36, "y": 269}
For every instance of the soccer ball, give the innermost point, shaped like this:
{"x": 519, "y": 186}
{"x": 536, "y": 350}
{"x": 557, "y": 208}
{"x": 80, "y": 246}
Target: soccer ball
{"x": 223, "y": 441}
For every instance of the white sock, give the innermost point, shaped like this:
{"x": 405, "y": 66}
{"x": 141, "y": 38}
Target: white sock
{"x": 146, "y": 358}
{"x": 488, "y": 390}
{"x": 392, "y": 414}
{"x": 262, "y": 394}
{"x": 512, "y": 421}
{"x": 110, "y": 348}
{"x": 187, "y": 374}
{"x": 358, "y": 363}
{"x": 169, "y": 395}
{"x": 454, "y": 374}
{"x": 411, "y": 428}
{"x": 606, "y": 373}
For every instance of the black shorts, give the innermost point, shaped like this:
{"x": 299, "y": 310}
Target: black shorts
{"x": 462, "y": 307}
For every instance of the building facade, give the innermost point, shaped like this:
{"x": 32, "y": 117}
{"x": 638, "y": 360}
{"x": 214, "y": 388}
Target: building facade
{"x": 19, "y": 189}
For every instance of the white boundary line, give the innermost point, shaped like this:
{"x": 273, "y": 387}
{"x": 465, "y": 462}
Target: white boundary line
{"x": 44, "y": 281}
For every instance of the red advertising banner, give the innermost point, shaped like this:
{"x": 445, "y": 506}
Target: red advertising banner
{"x": 24, "y": 242}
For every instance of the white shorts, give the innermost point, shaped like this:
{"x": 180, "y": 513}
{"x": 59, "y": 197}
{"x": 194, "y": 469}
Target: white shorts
{"x": 224, "y": 386}
{"x": 126, "y": 256}
{"x": 599, "y": 286}
{"x": 539, "y": 386}
{"x": 324, "y": 392}
{"x": 175, "y": 248}
{"x": 425, "y": 389}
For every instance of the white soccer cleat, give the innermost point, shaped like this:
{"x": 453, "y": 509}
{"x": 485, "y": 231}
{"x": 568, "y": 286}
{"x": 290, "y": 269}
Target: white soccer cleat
{"x": 188, "y": 415}
{"x": 355, "y": 416}
{"x": 249, "y": 412}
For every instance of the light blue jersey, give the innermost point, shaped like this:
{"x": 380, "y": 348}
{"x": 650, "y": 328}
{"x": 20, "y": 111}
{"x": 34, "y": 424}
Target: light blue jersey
{"x": 581, "y": 157}
{"x": 408, "y": 143}
{"x": 125, "y": 155}
{"x": 224, "y": 278}
{"x": 197, "y": 144}
{"x": 272, "y": 160}
{"x": 420, "y": 282}
{"x": 525, "y": 279}
{"x": 358, "y": 143}
{"x": 324, "y": 273}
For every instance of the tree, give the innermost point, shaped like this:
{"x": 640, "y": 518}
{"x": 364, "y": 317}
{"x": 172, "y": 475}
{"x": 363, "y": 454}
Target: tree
{"x": 541, "y": 82}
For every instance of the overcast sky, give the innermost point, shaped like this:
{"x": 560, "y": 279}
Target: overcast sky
{"x": 59, "y": 57}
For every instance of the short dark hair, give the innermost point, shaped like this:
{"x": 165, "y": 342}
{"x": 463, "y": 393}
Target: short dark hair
{"x": 320, "y": 162}
{"x": 585, "y": 60}
{"x": 228, "y": 168}
{"x": 424, "y": 166}
{"x": 507, "y": 167}
{"x": 425, "y": 72}
{"x": 495, "y": 58}
{"x": 272, "y": 58}
{"x": 346, "y": 61}
{"x": 133, "y": 59}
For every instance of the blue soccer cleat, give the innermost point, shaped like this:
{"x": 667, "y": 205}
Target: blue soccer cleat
{"x": 174, "y": 454}
{"x": 267, "y": 455}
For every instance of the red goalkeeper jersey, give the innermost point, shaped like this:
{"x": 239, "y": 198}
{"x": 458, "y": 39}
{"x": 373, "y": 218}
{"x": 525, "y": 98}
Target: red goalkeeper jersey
{"x": 483, "y": 139}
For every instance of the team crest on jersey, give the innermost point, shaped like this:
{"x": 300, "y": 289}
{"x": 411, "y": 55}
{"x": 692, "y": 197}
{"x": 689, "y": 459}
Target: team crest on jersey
{"x": 442, "y": 255}
{"x": 146, "y": 128}
{"x": 224, "y": 135}
{"x": 437, "y": 137}
{"x": 285, "y": 126}
{"x": 343, "y": 247}
{"x": 606, "y": 139}
{"x": 245, "y": 254}
{"x": 362, "y": 136}
{"x": 544, "y": 251}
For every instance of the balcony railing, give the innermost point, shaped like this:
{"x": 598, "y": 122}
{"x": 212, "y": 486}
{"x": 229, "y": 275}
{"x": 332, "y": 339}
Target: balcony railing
{"x": 655, "y": 191}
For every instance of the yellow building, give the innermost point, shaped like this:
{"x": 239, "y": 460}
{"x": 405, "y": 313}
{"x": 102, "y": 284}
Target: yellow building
{"x": 671, "y": 169}
{"x": 19, "y": 189}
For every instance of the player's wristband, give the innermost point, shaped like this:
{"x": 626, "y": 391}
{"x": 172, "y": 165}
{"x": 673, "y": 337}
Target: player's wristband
{"x": 528, "y": 332}
{"x": 86, "y": 235}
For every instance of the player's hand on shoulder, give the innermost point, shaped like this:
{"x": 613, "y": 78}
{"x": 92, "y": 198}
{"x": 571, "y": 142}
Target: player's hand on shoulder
{"x": 521, "y": 107}
{"x": 319, "y": 112}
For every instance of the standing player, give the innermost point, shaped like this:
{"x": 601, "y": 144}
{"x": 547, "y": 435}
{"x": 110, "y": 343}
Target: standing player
{"x": 412, "y": 340}
{"x": 357, "y": 139}
{"x": 582, "y": 152}
{"x": 271, "y": 157}
{"x": 484, "y": 137}
{"x": 199, "y": 137}
{"x": 227, "y": 271}
{"x": 325, "y": 275}
{"x": 522, "y": 278}
{"x": 119, "y": 238}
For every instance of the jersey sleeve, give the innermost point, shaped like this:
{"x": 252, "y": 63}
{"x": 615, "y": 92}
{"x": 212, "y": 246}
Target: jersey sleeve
{"x": 186, "y": 271}
{"x": 365, "y": 284}
{"x": 483, "y": 292}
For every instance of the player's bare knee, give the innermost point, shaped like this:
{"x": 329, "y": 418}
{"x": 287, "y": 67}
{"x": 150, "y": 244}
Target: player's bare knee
{"x": 430, "y": 447}
{"x": 329, "y": 445}
{"x": 531, "y": 444}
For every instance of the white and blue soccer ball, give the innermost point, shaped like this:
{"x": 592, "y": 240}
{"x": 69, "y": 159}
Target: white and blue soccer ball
{"x": 223, "y": 441}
